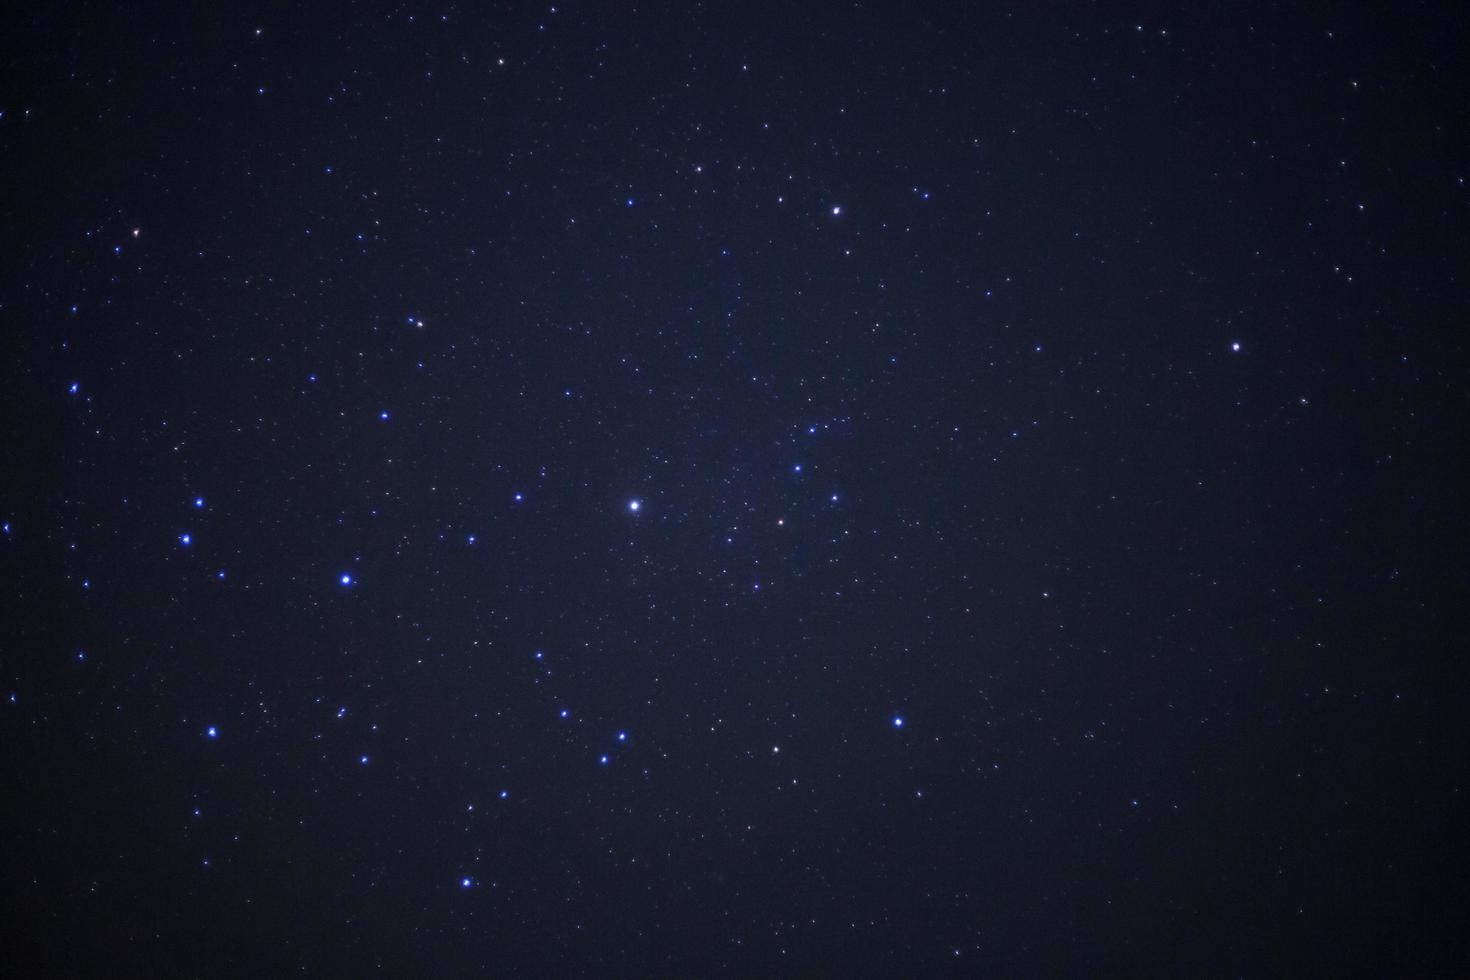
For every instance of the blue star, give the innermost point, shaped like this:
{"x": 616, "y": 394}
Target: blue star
{"x": 466, "y": 882}
{"x": 198, "y": 501}
{"x": 796, "y": 468}
{"x": 504, "y": 794}
{"x": 186, "y": 540}
{"x": 383, "y": 415}
{"x": 633, "y": 505}
{"x": 212, "y": 732}
{"x": 341, "y": 712}
{"x": 622, "y": 736}
{"x": 346, "y": 579}
{"x": 81, "y": 656}
{"x": 362, "y": 761}
{"x": 1235, "y": 347}
{"x": 520, "y": 497}
{"x": 897, "y": 721}
{"x": 74, "y": 388}
{"x": 220, "y": 575}
{"x": 603, "y": 760}
{"x": 563, "y": 712}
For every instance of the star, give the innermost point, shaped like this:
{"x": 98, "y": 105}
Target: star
{"x": 186, "y": 540}
{"x": 362, "y": 760}
{"x": 633, "y": 505}
{"x": 198, "y": 501}
{"x": 897, "y": 721}
{"x": 211, "y": 731}
{"x": 346, "y": 579}
{"x": 1235, "y": 346}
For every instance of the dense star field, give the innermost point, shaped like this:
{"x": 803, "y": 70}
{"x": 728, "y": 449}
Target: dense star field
{"x": 707, "y": 489}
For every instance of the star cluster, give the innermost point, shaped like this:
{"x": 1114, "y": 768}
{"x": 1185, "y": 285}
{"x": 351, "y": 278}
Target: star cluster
{"x": 687, "y": 490}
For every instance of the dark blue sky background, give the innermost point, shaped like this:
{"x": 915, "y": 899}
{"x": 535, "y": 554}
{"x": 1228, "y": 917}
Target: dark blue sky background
{"x": 1081, "y": 385}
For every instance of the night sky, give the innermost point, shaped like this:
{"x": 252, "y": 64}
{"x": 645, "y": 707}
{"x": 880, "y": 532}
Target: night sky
{"x": 826, "y": 489}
